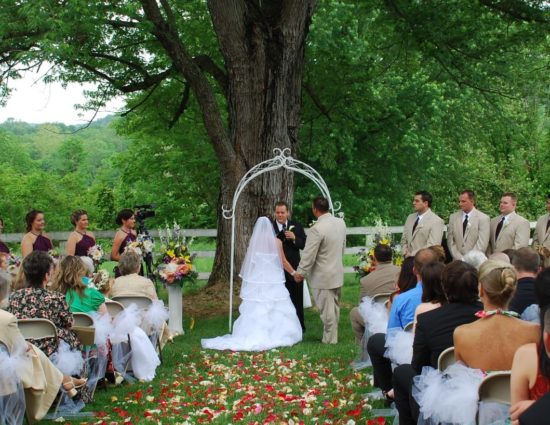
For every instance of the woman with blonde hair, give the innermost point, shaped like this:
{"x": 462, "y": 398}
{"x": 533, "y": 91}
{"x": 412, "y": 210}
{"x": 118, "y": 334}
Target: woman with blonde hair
{"x": 72, "y": 281}
{"x": 80, "y": 240}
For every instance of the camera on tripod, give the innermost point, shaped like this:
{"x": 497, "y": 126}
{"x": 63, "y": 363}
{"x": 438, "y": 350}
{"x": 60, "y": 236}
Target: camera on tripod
{"x": 144, "y": 211}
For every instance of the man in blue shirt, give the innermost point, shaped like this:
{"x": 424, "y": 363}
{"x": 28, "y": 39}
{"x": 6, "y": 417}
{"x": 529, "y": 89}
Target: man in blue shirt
{"x": 401, "y": 313}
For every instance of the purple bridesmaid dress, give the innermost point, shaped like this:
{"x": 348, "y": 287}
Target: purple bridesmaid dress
{"x": 83, "y": 245}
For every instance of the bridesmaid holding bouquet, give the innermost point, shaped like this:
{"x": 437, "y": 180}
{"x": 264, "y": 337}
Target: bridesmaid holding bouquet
{"x": 125, "y": 235}
{"x": 35, "y": 239}
{"x": 80, "y": 240}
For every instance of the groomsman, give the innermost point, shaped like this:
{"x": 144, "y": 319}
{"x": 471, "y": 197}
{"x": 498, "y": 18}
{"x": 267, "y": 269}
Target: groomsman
{"x": 293, "y": 237}
{"x": 468, "y": 228}
{"x": 541, "y": 238}
{"x": 322, "y": 261}
{"x": 508, "y": 230}
{"x": 423, "y": 228}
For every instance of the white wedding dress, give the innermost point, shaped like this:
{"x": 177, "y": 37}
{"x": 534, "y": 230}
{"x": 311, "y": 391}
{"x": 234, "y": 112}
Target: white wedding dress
{"x": 267, "y": 316}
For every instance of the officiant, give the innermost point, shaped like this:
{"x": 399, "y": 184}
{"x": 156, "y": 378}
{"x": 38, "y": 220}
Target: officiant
{"x": 293, "y": 237}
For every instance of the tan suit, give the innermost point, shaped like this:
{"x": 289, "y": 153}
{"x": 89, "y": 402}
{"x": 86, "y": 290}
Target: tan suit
{"x": 515, "y": 233}
{"x": 134, "y": 285}
{"x": 322, "y": 262}
{"x": 382, "y": 279}
{"x": 40, "y": 378}
{"x": 428, "y": 232}
{"x": 542, "y": 236}
{"x": 476, "y": 236}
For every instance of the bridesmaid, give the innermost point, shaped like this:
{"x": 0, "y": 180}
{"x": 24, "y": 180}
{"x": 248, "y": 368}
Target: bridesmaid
{"x": 3, "y": 246}
{"x": 80, "y": 240}
{"x": 35, "y": 239}
{"x": 124, "y": 236}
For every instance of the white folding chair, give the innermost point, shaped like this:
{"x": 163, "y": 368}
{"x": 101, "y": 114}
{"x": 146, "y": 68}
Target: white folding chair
{"x": 37, "y": 329}
{"x": 496, "y": 387}
{"x": 382, "y": 297}
{"x": 409, "y": 327}
{"x": 113, "y": 308}
{"x": 446, "y": 358}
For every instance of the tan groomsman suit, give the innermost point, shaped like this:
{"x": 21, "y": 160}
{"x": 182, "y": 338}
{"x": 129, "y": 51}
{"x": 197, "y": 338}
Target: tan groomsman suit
{"x": 515, "y": 233}
{"x": 428, "y": 232}
{"x": 542, "y": 235}
{"x": 322, "y": 261}
{"x": 382, "y": 279}
{"x": 476, "y": 236}
{"x": 40, "y": 378}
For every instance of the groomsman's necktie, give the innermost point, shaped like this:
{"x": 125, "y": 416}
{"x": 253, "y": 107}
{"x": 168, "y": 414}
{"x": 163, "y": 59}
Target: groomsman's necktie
{"x": 464, "y": 224}
{"x": 284, "y": 227}
{"x": 499, "y": 227}
{"x": 416, "y": 222}
{"x": 548, "y": 224}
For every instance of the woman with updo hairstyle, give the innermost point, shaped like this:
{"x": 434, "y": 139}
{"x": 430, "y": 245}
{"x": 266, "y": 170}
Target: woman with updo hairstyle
{"x": 80, "y": 240}
{"x": 491, "y": 342}
{"x": 35, "y": 239}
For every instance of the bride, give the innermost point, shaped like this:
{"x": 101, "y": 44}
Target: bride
{"x": 267, "y": 316}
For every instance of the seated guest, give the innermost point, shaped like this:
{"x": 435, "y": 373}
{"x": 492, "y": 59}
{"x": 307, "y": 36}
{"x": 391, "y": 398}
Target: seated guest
{"x": 531, "y": 367}
{"x": 475, "y": 258}
{"x": 34, "y": 301}
{"x": 103, "y": 282}
{"x": 39, "y": 377}
{"x": 72, "y": 281}
{"x": 432, "y": 291}
{"x": 511, "y": 253}
{"x": 381, "y": 280}
{"x": 405, "y": 281}
{"x": 80, "y": 240}
{"x": 491, "y": 342}
{"x": 130, "y": 283}
{"x": 526, "y": 261}
{"x": 401, "y": 314}
{"x": 35, "y": 239}
{"x": 4, "y": 261}
{"x": 538, "y": 412}
{"x": 434, "y": 332}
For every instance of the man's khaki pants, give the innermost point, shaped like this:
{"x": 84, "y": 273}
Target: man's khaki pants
{"x": 328, "y": 303}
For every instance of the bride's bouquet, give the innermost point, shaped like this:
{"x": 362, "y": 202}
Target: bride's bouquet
{"x": 175, "y": 263}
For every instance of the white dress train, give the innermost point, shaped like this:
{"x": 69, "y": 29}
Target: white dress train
{"x": 267, "y": 316}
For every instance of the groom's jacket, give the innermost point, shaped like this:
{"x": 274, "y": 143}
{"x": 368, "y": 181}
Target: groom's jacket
{"x": 291, "y": 248}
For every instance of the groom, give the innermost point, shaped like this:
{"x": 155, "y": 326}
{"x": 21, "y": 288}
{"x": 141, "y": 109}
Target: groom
{"x": 293, "y": 237}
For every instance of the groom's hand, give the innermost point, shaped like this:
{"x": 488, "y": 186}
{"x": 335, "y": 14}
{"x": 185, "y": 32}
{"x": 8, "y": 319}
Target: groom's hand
{"x": 298, "y": 277}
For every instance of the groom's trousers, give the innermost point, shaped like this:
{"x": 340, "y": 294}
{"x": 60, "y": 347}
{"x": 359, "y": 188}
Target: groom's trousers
{"x": 328, "y": 303}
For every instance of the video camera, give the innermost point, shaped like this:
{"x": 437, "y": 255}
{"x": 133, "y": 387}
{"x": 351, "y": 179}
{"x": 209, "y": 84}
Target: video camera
{"x": 144, "y": 211}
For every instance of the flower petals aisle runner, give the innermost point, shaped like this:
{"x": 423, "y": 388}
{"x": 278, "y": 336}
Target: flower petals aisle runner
{"x": 248, "y": 388}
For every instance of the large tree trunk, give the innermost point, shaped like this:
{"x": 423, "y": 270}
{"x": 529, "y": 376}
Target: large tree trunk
{"x": 263, "y": 47}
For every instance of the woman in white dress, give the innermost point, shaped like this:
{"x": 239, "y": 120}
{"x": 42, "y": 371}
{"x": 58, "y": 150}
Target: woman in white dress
{"x": 267, "y": 316}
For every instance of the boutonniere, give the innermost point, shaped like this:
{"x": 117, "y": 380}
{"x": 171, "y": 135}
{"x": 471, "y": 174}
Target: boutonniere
{"x": 469, "y": 224}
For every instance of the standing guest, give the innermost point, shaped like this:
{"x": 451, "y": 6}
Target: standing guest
{"x": 72, "y": 281}
{"x": 34, "y": 301}
{"x": 322, "y": 261}
{"x": 80, "y": 240}
{"x": 292, "y": 235}
{"x": 526, "y": 261}
{"x": 468, "y": 228}
{"x": 35, "y": 239}
{"x": 423, "y": 228}
{"x": 381, "y": 280}
{"x": 3, "y": 246}
{"x": 531, "y": 368}
{"x": 124, "y": 236}
{"x": 508, "y": 230}
{"x": 541, "y": 237}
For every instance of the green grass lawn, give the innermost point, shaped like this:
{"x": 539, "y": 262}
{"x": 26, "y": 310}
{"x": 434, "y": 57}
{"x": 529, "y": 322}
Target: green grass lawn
{"x": 308, "y": 383}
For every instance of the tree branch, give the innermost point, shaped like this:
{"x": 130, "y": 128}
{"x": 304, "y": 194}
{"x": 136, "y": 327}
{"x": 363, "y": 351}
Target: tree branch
{"x": 517, "y": 9}
{"x": 206, "y": 64}
{"x": 182, "y": 106}
{"x": 317, "y": 101}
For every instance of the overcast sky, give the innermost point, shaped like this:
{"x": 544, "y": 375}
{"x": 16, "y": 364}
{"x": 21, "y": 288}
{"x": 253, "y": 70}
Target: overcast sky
{"x": 34, "y": 102}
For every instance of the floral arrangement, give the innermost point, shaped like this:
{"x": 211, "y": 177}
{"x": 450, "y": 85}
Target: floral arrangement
{"x": 96, "y": 254}
{"x": 13, "y": 261}
{"x": 382, "y": 235}
{"x": 175, "y": 263}
{"x": 55, "y": 254}
{"x": 143, "y": 245}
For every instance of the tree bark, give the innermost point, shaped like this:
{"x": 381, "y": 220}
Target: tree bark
{"x": 263, "y": 45}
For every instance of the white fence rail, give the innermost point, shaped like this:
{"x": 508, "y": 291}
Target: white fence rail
{"x": 62, "y": 237}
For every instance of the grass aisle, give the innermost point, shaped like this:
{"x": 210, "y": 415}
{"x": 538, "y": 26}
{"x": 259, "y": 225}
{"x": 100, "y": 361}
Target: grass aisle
{"x": 309, "y": 383}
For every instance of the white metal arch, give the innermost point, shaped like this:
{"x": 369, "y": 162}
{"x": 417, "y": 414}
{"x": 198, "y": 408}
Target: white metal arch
{"x": 281, "y": 159}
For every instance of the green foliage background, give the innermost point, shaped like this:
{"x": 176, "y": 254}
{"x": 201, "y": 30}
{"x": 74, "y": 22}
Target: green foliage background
{"x": 395, "y": 100}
